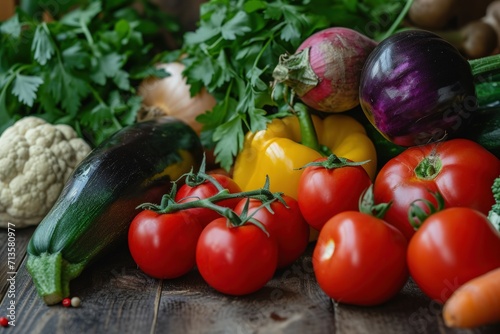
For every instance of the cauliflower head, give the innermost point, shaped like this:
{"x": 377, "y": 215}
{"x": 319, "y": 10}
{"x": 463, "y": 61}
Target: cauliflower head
{"x": 36, "y": 159}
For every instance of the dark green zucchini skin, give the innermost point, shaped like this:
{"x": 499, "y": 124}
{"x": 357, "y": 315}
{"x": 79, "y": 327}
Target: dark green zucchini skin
{"x": 485, "y": 130}
{"x": 99, "y": 200}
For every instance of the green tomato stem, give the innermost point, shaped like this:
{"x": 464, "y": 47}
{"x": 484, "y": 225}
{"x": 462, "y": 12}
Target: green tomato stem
{"x": 428, "y": 168}
{"x": 417, "y": 215}
{"x": 169, "y": 205}
{"x": 367, "y": 204}
{"x": 333, "y": 162}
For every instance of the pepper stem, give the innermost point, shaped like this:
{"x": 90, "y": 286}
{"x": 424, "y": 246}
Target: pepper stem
{"x": 307, "y": 130}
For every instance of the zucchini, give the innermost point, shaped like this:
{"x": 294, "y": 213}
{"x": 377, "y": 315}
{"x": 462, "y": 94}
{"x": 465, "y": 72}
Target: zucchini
{"x": 485, "y": 130}
{"x": 98, "y": 202}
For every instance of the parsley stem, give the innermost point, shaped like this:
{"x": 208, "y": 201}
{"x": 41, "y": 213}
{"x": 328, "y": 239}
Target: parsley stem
{"x": 214, "y": 44}
{"x": 398, "y": 20}
{"x": 86, "y": 32}
{"x": 96, "y": 95}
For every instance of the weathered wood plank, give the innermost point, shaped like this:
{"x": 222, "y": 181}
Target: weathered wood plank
{"x": 290, "y": 303}
{"x": 116, "y": 298}
{"x": 21, "y": 238}
{"x": 409, "y": 312}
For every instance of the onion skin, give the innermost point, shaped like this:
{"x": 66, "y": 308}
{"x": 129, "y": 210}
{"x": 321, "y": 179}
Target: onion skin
{"x": 325, "y": 70}
{"x": 417, "y": 88}
{"x": 170, "y": 96}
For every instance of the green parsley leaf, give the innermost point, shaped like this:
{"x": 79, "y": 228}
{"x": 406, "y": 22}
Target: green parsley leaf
{"x": 11, "y": 27}
{"x": 237, "y": 26}
{"x": 82, "y": 16}
{"x": 42, "y": 44}
{"x": 226, "y": 146}
{"x": 83, "y": 67}
{"x": 25, "y": 88}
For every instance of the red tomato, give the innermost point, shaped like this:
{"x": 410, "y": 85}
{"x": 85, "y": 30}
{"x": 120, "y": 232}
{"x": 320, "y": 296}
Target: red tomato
{"x": 325, "y": 192}
{"x": 164, "y": 245}
{"x": 461, "y": 170}
{"x": 359, "y": 259}
{"x": 450, "y": 248}
{"x": 236, "y": 260}
{"x": 187, "y": 194}
{"x": 286, "y": 224}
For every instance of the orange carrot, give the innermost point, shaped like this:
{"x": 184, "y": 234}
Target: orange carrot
{"x": 475, "y": 303}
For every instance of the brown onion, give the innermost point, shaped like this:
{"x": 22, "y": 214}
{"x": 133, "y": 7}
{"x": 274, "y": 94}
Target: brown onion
{"x": 171, "y": 96}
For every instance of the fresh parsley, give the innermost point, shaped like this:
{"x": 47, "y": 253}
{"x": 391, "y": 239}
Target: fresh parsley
{"x": 237, "y": 45}
{"x": 81, "y": 67}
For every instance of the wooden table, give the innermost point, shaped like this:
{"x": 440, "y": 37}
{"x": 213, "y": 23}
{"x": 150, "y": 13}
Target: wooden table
{"x": 118, "y": 298}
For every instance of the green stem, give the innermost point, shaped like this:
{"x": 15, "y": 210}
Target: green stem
{"x": 334, "y": 161}
{"x": 417, "y": 215}
{"x": 367, "y": 204}
{"x": 51, "y": 274}
{"x": 485, "y": 65}
{"x": 87, "y": 33}
{"x": 307, "y": 130}
{"x": 169, "y": 205}
{"x": 429, "y": 168}
{"x": 261, "y": 194}
{"x": 398, "y": 21}
{"x": 195, "y": 179}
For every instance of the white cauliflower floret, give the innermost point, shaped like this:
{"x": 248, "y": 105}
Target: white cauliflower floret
{"x": 36, "y": 159}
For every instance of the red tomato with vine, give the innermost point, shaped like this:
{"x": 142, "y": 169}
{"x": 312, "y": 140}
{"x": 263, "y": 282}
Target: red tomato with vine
{"x": 360, "y": 259}
{"x": 461, "y": 170}
{"x": 285, "y": 223}
{"x": 164, "y": 245}
{"x": 236, "y": 260}
{"x": 329, "y": 186}
{"x": 188, "y": 193}
{"x": 451, "y": 247}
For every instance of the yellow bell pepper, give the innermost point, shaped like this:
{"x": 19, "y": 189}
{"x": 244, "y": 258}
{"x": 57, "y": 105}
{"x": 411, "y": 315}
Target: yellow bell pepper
{"x": 277, "y": 151}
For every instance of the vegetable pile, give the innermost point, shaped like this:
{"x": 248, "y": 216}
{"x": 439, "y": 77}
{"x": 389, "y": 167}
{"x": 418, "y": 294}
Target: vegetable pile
{"x": 379, "y": 147}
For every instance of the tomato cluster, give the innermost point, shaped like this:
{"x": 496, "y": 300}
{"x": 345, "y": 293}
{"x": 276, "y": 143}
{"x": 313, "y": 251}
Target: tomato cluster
{"x": 423, "y": 216}
{"x": 435, "y": 228}
{"x": 234, "y": 259}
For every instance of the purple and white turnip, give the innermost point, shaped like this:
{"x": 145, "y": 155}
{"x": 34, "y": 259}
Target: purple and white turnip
{"x": 325, "y": 70}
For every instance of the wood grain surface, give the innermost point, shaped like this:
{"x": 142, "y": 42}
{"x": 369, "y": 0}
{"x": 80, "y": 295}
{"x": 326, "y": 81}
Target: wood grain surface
{"x": 118, "y": 298}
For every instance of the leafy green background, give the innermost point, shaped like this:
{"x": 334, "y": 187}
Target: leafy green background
{"x": 83, "y": 68}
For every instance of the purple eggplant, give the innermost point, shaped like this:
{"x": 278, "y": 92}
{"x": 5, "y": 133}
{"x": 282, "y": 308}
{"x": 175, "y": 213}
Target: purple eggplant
{"x": 417, "y": 88}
